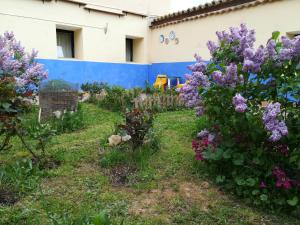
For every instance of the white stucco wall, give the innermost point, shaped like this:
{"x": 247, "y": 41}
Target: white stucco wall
{"x": 35, "y": 23}
{"x": 193, "y": 35}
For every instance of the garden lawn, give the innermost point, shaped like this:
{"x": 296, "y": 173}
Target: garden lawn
{"x": 169, "y": 188}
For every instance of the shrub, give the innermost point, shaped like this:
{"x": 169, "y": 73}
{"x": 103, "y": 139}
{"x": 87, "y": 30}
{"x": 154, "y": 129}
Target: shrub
{"x": 20, "y": 76}
{"x": 119, "y": 99}
{"x": 69, "y": 121}
{"x": 18, "y": 178}
{"x": 252, "y": 149}
{"x": 94, "y": 88}
{"x": 137, "y": 142}
{"x": 137, "y": 125}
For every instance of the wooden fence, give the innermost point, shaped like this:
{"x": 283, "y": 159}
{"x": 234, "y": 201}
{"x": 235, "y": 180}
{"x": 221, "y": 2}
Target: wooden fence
{"x": 163, "y": 102}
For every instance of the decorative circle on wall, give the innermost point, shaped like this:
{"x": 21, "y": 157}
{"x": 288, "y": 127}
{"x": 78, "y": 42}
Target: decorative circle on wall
{"x": 172, "y": 35}
{"x": 167, "y": 41}
{"x": 176, "y": 41}
{"x": 161, "y": 38}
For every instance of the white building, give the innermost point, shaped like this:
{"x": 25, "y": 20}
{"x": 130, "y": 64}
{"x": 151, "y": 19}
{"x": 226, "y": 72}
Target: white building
{"x": 111, "y": 40}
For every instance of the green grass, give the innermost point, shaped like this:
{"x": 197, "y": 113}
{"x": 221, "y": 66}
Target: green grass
{"x": 168, "y": 187}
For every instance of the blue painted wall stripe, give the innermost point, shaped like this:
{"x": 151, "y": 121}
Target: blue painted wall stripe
{"x": 178, "y": 69}
{"x": 122, "y": 74}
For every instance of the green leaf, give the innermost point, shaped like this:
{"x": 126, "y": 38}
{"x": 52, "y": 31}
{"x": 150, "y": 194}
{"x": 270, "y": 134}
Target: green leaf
{"x": 240, "y": 181}
{"x": 264, "y": 197}
{"x": 6, "y": 105}
{"x": 250, "y": 182}
{"x": 294, "y": 201}
{"x": 238, "y": 159}
{"x": 220, "y": 179}
{"x": 101, "y": 219}
{"x": 275, "y": 35}
{"x": 218, "y": 154}
{"x": 227, "y": 154}
{"x": 255, "y": 192}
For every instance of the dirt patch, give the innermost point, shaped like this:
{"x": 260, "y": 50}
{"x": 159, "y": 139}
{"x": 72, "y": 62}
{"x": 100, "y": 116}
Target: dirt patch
{"x": 188, "y": 193}
{"x": 50, "y": 164}
{"x": 7, "y": 196}
{"x": 144, "y": 206}
{"x": 120, "y": 175}
{"x": 196, "y": 194}
{"x": 87, "y": 169}
{"x": 47, "y": 164}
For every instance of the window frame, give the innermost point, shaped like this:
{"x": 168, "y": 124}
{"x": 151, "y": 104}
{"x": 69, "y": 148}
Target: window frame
{"x": 131, "y": 46}
{"x": 72, "y": 41}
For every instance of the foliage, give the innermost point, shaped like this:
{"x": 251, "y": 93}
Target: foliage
{"x": 20, "y": 76}
{"x": 137, "y": 125}
{"x": 95, "y": 87}
{"x": 20, "y": 176}
{"x": 79, "y": 189}
{"x": 253, "y": 149}
{"x": 69, "y": 121}
{"x": 100, "y": 218}
{"x": 42, "y": 135}
{"x": 119, "y": 99}
{"x": 57, "y": 85}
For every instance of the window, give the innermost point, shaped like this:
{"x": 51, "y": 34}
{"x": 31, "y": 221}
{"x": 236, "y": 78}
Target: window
{"x": 65, "y": 43}
{"x": 129, "y": 50}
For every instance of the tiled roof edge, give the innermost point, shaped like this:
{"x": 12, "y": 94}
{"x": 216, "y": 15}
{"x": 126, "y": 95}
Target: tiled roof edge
{"x": 213, "y": 8}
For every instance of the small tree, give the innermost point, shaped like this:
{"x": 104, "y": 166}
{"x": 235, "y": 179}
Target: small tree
{"x": 20, "y": 76}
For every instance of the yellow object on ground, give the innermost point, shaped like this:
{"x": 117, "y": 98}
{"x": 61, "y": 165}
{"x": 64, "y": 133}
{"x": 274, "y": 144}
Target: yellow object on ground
{"x": 160, "y": 82}
{"x": 181, "y": 85}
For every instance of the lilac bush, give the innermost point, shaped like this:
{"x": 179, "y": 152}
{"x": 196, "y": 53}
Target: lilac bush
{"x": 20, "y": 76}
{"x": 248, "y": 99}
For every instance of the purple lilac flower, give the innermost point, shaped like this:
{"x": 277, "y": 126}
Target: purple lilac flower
{"x": 189, "y": 92}
{"x": 229, "y": 79}
{"x": 199, "y": 110}
{"x": 239, "y": 39}
{"x": 277, "y": 128}
{"x": 253, "y": 59}
{"x": 16, "y": 63}
{"x": 290, "y": 50}
{"x": 239, "y": 103}
{"x": 270, "y": 49}
{"x": 212, "y": 46}
{"x": 205, "y": 134}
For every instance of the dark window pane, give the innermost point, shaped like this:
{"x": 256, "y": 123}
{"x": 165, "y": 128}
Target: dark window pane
{"x": 65, "y": 43}
{"x": 129, "y": 50}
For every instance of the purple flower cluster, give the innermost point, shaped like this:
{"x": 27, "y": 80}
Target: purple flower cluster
{"x": 277, "y": 128}
{"x": 239, "y": 39}
{"x": 289, "y": 50}
{"x": 253, "y": 59}
{"x": 239, "y": 103}
{"x": 205, "y": 139}
{"x": 205, "y": 134}
{"x": 229, "y": 78}
{"x": 189, "y": 92}
{"x": 16, "y": 63}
